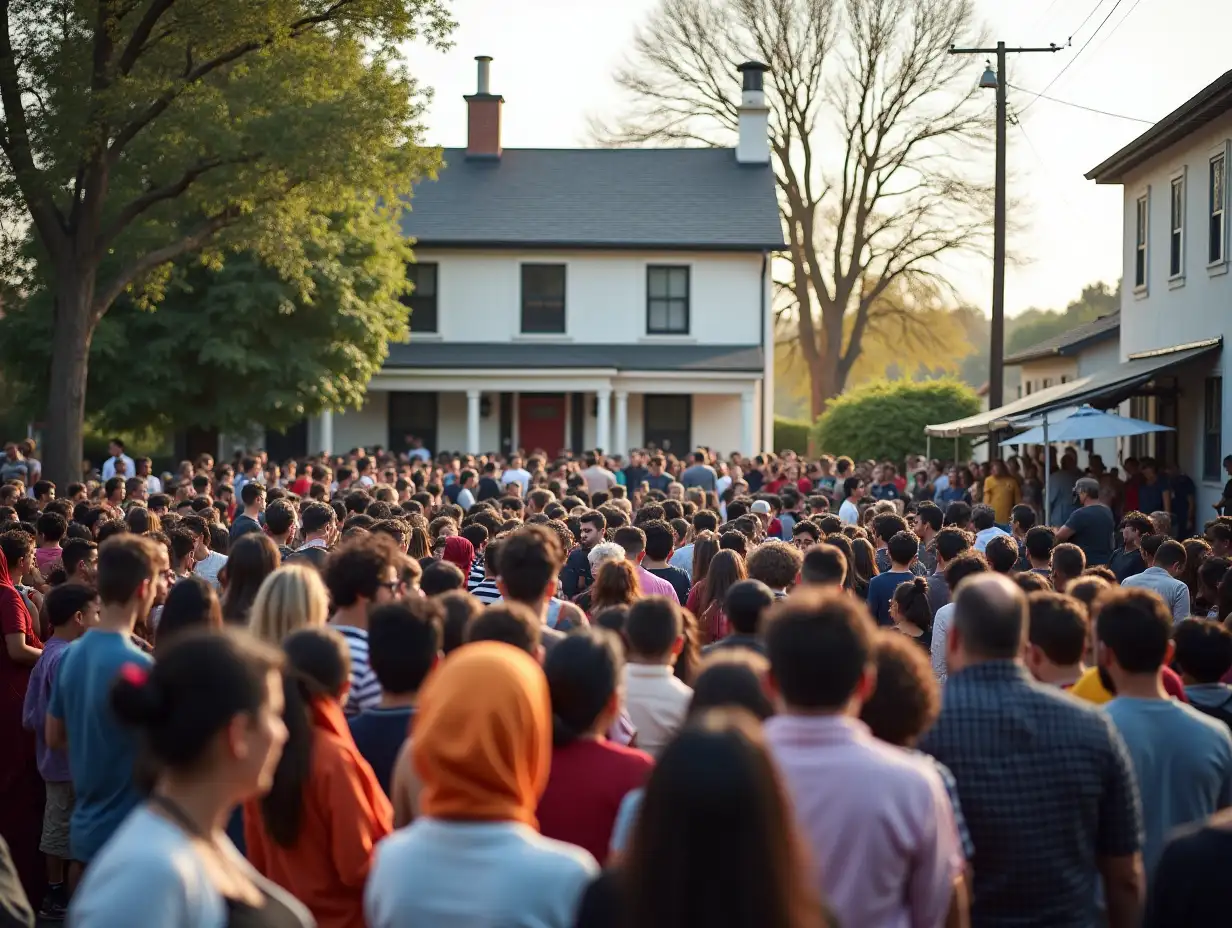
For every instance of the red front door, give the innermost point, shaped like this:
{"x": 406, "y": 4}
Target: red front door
{"x": 541, "y": 422}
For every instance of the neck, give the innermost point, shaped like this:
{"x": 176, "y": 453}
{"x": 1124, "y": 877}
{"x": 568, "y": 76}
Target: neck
{"x": 118, "y": 618}
{"x": 355, "y": 615}
{"x": 1131, "y": 546}
{"x": 207, "y": 802}
{"x": 651, "y": 661}
{"x": 657, "y": 565}
{"x": 399, "y": 700}
{"x": 1038, "y": 565}
{"x": 898, "y": 568}
{"x": 1141, "y": 685}
{"x": 251, "y": 512}
{"x": 1054, "y": 675}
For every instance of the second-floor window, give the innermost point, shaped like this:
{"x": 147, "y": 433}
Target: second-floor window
{"x": 1176, "y": 229}
{"x": 543, "y": 299}
{"x": 1216, "y": 212}
{"x": 422, "y": 300}
{"x": 1140, "y": 232}
{"x": 667, "y": 300}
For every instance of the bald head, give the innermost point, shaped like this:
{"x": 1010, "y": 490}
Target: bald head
{"x": 990, "y": 616}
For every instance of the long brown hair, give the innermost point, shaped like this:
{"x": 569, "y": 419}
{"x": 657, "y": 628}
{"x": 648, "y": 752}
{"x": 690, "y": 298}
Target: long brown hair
{"x": 864, "y": 559}
{"x": 726, "y": 570}
{"x": 616, "y": 585}
{"x": 253, "y": 558}
{"x": 742, "y": 817}
{"x": 705, "y": 547}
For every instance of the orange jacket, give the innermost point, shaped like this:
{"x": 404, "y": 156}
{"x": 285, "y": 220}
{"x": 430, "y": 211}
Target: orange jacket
{"x": 345, "y": 814}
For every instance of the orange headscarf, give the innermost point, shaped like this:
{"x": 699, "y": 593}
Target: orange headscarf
{"x": 482, "y": 741}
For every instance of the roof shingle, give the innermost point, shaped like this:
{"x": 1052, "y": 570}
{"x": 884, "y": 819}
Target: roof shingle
{"x": 559, "y": 355}
{"x": 652, "y": 198}
{"x": 1070, "y": 341}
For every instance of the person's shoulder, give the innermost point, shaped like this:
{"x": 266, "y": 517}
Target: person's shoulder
{"x": 548, "y": 857}
{"x": 1205, "y": 726}
{"x": 628, "y": 757}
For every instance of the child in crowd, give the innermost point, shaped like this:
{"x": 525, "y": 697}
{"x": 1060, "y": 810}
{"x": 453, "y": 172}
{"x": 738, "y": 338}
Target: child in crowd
{"x": 51, "y": 527}
{"x": 656, "y": 700}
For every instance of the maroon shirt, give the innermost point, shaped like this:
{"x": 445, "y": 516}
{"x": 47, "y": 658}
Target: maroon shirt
{"x": 585, "y": 788}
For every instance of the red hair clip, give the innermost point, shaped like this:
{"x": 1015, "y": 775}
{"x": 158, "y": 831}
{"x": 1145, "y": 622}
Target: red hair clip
{"x": 135, "y": 675}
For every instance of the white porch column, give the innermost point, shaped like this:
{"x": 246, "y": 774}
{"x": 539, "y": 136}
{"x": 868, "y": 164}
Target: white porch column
{"x": 620, "y": 444}
{"x": 325, "y": 432}
{"x": 472, "y": 421}
{"x": 748, "y": 424}
{"x": 603, "y": 426}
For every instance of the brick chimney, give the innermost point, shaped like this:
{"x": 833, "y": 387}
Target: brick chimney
{"x": 483, "y": 116}
{"x": 753, "y": 145}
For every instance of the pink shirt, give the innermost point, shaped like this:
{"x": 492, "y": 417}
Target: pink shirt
{"x": 655, "y": 586}
{"x": 878, "y": 821}
{"x": 44, "y": 558}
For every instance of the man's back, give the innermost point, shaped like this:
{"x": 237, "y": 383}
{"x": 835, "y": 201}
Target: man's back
{"x": 880, "y": 827}
{"x": 1183, "y": 763}
{"x": 1172, "y": 591}
{"x": 1046, "y": 786}
{"x": 699, "y": 475}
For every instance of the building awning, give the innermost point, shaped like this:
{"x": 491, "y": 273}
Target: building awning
{"x": 1103, "y": 389}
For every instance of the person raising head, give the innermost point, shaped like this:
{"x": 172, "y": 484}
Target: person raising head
{"x": 208, "y": 717}
{"x": 482, "y": 749}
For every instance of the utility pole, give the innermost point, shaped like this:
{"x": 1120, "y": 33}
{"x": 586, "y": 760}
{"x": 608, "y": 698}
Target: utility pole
{"x": 997, "y": 80}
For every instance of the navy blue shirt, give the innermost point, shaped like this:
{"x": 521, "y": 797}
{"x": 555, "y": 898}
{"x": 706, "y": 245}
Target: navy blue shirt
{"x": 1151, "y": 496}
{"x": 379, "y": 734}
{"x": 881, "y": 590}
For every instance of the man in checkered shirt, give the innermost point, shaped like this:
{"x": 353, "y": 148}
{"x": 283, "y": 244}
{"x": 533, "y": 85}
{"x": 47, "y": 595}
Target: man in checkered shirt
{"x": 1046, "y": 783}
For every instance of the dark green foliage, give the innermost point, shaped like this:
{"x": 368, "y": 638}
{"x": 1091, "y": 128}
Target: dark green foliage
{"x": 790, "y": 435}
{"x": 886, "y": 419}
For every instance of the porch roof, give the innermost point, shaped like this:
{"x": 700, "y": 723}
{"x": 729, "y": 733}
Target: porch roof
{"x": 558, "y": 355}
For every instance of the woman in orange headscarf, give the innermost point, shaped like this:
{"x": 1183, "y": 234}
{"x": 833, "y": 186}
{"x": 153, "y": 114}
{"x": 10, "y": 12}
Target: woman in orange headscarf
{"x": 482, "y": 748}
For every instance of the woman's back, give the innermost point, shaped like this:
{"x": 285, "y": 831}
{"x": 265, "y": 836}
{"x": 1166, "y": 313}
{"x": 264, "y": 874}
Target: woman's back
{"x": 475, "y": 874}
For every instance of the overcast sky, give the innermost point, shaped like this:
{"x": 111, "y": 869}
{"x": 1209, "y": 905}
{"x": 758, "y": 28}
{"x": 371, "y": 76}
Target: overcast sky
{"x": 553, "y": 61}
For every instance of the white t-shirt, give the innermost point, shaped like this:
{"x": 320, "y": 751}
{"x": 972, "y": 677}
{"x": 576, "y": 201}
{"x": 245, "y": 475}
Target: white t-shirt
{"x": 849, "y": 512}
{"x": 208, "y": 567}
{"x": 518, "y": 474}
{"x": 150, "y": 873}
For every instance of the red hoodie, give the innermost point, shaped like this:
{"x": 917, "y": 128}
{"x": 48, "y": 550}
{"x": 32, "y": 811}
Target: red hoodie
{"x": 345, "y": 814}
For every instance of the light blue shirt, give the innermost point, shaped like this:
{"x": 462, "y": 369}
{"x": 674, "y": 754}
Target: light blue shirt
{"x": 683, "y": 558}
{"x": 472, "y": 874}
{"x": 1182, "y": 762}
{"x": 1172, "y": 591}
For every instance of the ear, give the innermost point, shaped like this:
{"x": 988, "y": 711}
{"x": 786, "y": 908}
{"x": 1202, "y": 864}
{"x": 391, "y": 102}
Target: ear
{"x": 237, "y": 736}
{"x": 953, "y": 642}
{"x": 1169, "y": 653}
{"x": 868, "y": 683}
{"x": 500, "y": 585}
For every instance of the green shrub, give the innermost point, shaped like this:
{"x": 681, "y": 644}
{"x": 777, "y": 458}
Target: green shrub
{"x": 886, "y": 419}
{"x": 790, "y": 435}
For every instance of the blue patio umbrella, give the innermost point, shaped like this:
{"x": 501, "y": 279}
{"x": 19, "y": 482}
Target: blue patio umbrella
{"x": 1085, "y": 423}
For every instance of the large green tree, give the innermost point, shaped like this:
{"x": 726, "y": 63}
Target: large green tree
{"x": 137, "y": 132}
{"x": 234, "y": 345}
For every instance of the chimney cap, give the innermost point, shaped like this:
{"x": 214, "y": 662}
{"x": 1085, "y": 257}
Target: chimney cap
{"x": 753, "y": 71}
{"x": 483, "y": 57}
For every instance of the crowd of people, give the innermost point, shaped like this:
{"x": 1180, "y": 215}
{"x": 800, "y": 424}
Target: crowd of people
{"x": 403, "y": 690}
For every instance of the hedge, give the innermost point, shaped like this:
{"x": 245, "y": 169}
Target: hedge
{"x": 885, "y": 419}
{"x": 790, "y": 435}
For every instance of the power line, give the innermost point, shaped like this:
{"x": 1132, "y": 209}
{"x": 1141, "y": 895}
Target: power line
{"x": 1118, "y": 25}
{"x": 1077, "y": 106}
{"x": 1069, "y": 64}
{"x": 1086, "y": 19}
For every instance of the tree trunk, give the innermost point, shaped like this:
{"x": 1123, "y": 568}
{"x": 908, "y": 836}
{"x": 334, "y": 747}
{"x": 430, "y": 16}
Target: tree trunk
{"x": 70, "y": 365}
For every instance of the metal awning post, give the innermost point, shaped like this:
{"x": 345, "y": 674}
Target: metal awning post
{"x": 1047, "y": 471}
{"x": 928, "y": 447}
{"x": 956, "y": 441}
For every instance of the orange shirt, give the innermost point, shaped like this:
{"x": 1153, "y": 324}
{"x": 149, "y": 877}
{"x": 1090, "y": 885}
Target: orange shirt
{"x": 345, "y": 814}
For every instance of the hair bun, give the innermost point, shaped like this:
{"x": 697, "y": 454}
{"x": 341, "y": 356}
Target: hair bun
{"x": 921, "y": 584}
{"x": 135, "y": 698}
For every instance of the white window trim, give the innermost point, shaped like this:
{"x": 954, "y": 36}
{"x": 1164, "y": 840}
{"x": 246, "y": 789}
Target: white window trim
{"x": 1179, "y": 174}
{"x": 1142, "y": 290}
{"x": 1220, "y": 265}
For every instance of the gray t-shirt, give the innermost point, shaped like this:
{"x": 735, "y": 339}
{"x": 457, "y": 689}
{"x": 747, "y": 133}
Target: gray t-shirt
{"x": 1093, "y": 528}
{"x": 1182, "y": 762}
{"x": 700, "y": 475}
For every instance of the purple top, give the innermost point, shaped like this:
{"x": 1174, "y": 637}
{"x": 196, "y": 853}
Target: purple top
{"x": 52, "y": 765}
{"x": 877, "y": 819}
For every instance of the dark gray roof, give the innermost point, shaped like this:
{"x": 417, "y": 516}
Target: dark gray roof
{"x": 1209, "y": 103}
{"x": 653, "y": 198}
{"x": 635, "y": 357}
{"x": 1071, "y": 341}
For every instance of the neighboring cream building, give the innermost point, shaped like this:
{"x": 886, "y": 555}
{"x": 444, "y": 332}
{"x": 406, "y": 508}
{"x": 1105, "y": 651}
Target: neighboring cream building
{"x": 582, "y": 298}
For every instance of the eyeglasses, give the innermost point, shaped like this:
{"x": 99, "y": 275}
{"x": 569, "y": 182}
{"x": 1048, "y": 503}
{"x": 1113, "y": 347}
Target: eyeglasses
{"x": 392, "y": 585}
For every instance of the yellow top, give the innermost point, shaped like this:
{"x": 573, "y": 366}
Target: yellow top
{"x": 1002, "y": 494}
{"x": 1091, "y": 688}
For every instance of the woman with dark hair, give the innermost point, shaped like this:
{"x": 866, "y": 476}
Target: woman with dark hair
{"x": 705, "y": 547}
{"x": 253, "y": 558}
{"x": 192, "y": 603}
{"x": 1197, "y": 550}
{"x": 615, "y": 584}
{"x": 714, "y": 795}
{"x": 142, "y": 522}
{"x": 912, "y": 614}
{"x": 843, "y": 543}
{"x": 21, "y": 811}
{"x": 590, "y": 775}
{"x": 420, "y": 545}
{"x": 209, "y": 716}
{"x": 474, "y": 856}
{"x": 315, "y": 831}
{"x": 706, "y": 598}
{"x": 733, "y": 677}
{"x": 863, "y": 565}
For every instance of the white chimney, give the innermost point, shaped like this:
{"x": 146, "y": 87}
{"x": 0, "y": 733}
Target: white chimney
{"x": 753, "y": 146}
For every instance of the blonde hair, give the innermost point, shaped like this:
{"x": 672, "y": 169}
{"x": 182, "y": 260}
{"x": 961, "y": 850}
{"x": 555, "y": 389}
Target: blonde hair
{"x": 289, "y": 599}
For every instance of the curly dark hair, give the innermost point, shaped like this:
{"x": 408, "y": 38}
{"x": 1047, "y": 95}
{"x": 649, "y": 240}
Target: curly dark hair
{"x": 907, "y": 698}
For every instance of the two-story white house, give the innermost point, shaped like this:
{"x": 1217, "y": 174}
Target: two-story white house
{"x": 1176, "y": 299}
{"x": 583, "y": 298}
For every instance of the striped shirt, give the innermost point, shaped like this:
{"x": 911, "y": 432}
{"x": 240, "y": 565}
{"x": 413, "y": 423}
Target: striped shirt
{"x": 478, "y": 572}
{"x": 365, "y": 689}
{"x": 486, "y": 592}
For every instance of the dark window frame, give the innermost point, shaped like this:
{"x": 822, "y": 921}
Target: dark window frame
{"x": 1176, "y": 228}
{"x": 1142, "y": 227}
{"x": 1212, "y": 429}
{"x": 1217, "y": 196}
{"x": 423, "y": 305}
{"x": 544, "y": 303}
{"x": 669, "y": 301}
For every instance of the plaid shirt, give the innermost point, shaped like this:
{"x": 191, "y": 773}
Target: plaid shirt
{"x": 1047, "y": 787}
